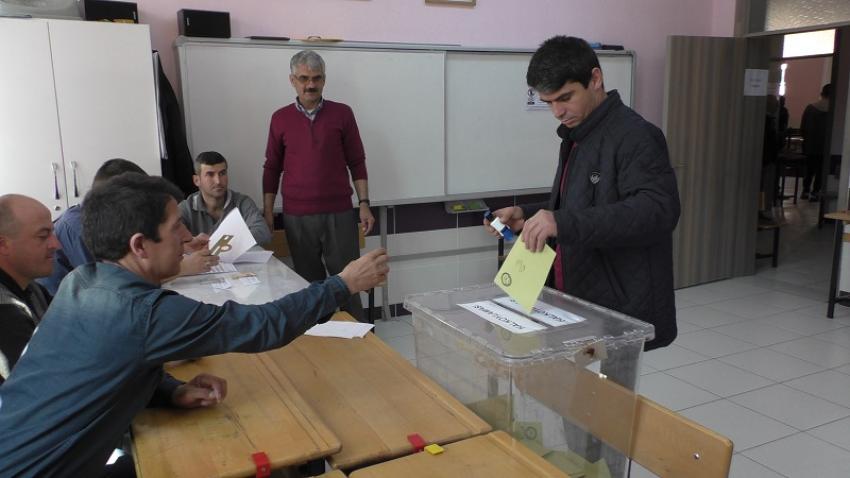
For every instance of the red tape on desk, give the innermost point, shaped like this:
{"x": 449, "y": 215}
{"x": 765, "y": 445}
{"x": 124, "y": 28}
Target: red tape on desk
{"x": 417, "y": 442}
{"x": 264, "y": 467}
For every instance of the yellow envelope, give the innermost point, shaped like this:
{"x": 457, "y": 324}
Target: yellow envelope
{"x": 524, "y": 272}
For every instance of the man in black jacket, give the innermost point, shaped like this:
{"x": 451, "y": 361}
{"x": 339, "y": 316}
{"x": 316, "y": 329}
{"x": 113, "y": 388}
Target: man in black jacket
{"x": 27, "y": 245}
{"x": 614, "y": 201}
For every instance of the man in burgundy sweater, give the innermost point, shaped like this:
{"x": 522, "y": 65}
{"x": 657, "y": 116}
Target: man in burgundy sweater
{"x": 315, "y": 143}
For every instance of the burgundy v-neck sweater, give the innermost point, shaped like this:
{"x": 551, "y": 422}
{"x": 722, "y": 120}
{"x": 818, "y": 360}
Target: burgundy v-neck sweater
{"x": 315, "y": 159}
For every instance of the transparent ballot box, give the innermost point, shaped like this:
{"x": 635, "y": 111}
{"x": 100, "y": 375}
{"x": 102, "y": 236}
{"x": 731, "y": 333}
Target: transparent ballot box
{"x": 560, "y": 379}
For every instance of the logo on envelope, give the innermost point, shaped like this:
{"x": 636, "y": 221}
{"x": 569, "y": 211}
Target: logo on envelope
{"x": 524, "y": 272}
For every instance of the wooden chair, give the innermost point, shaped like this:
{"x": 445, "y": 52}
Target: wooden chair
{"x": 661, "y": 440}
{"x": 671, "y": 445}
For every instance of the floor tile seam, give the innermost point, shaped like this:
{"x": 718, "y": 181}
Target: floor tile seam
{"x": 783, "y": 422}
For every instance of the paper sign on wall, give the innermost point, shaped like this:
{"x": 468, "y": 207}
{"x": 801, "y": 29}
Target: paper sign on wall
{"x": 755, "y": 82}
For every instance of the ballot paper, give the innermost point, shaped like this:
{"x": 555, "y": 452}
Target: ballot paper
{"x": 523, "y": 274}
{"x": 255, "y": 257}
{"x": 231, "y": 238}
{"x": 220, "y": 268}
{"x": 343, "y": 330}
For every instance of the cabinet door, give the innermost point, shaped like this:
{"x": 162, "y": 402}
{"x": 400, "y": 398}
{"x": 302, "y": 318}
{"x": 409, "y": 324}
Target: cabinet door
{"x": 105, "y": 96}
{"x": 30, "y": 148}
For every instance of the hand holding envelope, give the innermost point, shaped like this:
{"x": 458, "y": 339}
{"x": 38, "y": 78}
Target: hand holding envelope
{"x": 524, "y": 273}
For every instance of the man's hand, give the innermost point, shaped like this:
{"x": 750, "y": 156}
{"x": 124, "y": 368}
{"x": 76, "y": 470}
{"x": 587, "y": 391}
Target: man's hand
{"x": 367, "y": 220}
{"x": 538, "y": 229}
{"x": 198, "y": 242}
{"x": 198, "y": 262}
{"x": 268, "y": 215}
{"x": 202, "y": 391}
{"x": 366, "y": 272}
{"x": 510, "y": 216}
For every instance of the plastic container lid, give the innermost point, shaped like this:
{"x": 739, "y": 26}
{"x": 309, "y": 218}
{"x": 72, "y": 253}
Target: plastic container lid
{"x": 602, "y": 328}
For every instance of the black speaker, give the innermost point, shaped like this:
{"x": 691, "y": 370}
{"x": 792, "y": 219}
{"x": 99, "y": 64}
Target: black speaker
{"x": 203, "y": 23}
{"x": 101, "y": 10}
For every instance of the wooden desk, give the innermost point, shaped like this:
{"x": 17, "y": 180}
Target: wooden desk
{"x": 371, "y": 397}
{"x": 495, "y": 455}
{"x": 840, "y": 218}
{"x": 262, "y": 412}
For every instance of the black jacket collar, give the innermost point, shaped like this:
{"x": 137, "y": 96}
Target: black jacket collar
{"x": 593, "y": 119}
{"x": 7, "y": 281}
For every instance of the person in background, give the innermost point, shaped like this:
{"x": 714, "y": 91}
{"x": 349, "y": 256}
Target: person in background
{"x": 315, "y": 143}
{"x": 69, "y": 231}
{"x": 204, "y": 210}
{"x": 813, "y": 129}
{"x": 27, "y": 248}
{"x": 769, "y": 161}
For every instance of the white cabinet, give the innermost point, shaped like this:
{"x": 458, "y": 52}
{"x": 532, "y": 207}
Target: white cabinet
{"x": 72, "y": 95}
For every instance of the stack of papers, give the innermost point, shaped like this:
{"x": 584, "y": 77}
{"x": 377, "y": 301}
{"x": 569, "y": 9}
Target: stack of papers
{"x": 343, "y": 330}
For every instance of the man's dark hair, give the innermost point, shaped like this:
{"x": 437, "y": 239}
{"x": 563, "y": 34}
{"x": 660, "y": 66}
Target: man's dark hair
{"x": 826, "y": 91}
{"x": 115, "y": 167}
{"x": 125, "y": 205}
{"x": 558, "y": 60}
{"x": 210, "y": 158}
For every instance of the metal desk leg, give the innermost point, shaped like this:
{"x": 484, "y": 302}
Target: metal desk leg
{"x": 836, "y": 267}
{"x": 776, "y": 247}
{"x": 385, "y": 292}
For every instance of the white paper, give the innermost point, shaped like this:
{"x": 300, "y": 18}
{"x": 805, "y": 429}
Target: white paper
{"x": 255, "y": 257}
{"x": 240, "y": 239}
{"x": 543, "y": 312}
{"x": 245, "y": 279}
{"x": 505, "y": 318}
{"x": 342, "y": 330}
{"x": 755, "y": 82}
{"x": 218, "y": 283}
{"x": 220, "y": 268}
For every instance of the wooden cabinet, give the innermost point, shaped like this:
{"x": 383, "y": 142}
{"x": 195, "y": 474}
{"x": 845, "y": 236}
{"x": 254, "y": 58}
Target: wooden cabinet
{"x": 72, "y": 95}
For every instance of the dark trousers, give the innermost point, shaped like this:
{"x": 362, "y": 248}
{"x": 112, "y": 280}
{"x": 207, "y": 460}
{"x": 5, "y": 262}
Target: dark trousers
{"x": 814, "y": 170}
{"x": 323, "y": 244}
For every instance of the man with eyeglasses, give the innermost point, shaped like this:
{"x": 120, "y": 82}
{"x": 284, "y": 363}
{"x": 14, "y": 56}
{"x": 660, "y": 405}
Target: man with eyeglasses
{"x": 315, "y": 144}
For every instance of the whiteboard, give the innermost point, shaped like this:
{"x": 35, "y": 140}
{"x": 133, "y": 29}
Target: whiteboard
{"x": 493, "y": 142}
{"x": 437, "y": 122}
{"x": 231, "y": 91}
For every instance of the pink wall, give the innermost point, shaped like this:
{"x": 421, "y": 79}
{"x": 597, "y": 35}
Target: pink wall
{"x": 804, "y": 79}
{"x": 642, "y": 26}
{"x": 723, "y": 18}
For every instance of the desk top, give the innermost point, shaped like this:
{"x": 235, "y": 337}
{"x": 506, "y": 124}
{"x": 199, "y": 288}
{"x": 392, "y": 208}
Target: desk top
{"x": 838, "y": 216}
{"x": 495, "y": 455}
{"x": 262, "y": 412}
{"x": 276, "y": 280}
{"x": 371, "y": 397}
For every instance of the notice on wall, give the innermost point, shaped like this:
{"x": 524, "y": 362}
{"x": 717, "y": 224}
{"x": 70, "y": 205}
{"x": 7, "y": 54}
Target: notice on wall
{"x": 533, "y": 101}
{"x": 755, "y": 82}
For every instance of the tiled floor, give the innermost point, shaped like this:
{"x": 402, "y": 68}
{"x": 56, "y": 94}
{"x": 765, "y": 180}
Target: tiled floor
{"x": 756, "y": 360}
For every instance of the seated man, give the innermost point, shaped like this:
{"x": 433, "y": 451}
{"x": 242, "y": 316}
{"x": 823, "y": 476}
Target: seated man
{"x": 69, "y": 228}
{"x": 27, "y": 247}
{"x": 69, "y": 231}
{"x": 97, "y": 356}
{"x": 204, "y": 210}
